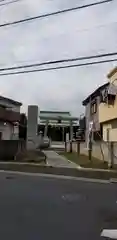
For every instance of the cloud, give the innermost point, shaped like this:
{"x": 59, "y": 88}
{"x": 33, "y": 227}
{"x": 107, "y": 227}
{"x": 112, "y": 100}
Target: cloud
{"x": 80, "y": 33}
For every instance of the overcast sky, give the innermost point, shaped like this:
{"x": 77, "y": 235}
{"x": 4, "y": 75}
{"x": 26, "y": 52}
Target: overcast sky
{"x": 80, "y": 33}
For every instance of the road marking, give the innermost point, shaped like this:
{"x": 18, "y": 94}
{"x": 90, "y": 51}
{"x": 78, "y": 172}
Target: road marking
{"x": 109, "y": 233}
{"x": 56, "y": 176}
{"x": 76, "y": 165}
{"x": 113, "y": 180}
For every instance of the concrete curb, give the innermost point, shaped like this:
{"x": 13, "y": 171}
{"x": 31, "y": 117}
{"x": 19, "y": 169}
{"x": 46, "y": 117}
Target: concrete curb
{"x": 55, "y": 176}
{"x": 48, "y": 165}
{"x": 99, "y": 170}
{"x": 76, "y": 165}
{"x": 46, "y": 169}
{"x": 92, "y": 169}
{"x": 21, "y": 163}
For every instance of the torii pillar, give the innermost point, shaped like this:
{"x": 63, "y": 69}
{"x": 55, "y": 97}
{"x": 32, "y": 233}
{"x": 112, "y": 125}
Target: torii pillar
{"x": 32, "y": 126}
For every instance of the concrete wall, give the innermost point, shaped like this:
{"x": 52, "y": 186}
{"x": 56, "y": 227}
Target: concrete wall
{"x": 100, "y": 150}
{"x": 9, "y": 149}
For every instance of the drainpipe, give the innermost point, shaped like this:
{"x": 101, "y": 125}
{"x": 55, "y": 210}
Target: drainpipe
{"x": 71, "y": 135}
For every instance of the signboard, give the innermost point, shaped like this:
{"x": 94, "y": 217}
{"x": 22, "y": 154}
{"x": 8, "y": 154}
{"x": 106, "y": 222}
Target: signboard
{"x": 67, "y": 137}
{"x": 91, "y": 126}
{"x": 90, "y": 136}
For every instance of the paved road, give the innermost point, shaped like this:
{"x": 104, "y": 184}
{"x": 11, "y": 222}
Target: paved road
{"x": 56, "y": 160}
{"x": 41, "y": 208}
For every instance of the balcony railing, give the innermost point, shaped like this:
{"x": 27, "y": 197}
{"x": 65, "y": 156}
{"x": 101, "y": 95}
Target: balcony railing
{"x": 9, "y": 115}
{"x": 107, "y": 112}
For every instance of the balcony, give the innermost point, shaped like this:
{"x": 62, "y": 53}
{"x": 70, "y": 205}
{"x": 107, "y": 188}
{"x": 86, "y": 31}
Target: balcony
{"x": 107, "y": 112}
{"x": 9, "y": 115}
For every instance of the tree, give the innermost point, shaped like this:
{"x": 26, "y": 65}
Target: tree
{"x": 23, "y": 126}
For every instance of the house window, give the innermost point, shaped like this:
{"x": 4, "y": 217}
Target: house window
{"x": 0, "y": 135}
{"x": 93, "y": 107}
{"x": 111, "y": 99}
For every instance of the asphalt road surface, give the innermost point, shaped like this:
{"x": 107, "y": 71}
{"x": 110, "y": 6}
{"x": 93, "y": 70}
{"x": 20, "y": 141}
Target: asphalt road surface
{"x": 41, "y": 208}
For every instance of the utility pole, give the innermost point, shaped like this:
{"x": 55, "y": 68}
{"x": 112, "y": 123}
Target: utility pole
{"x": 90, "y": 145}
{"x": 90, "y": 140}
{"x": 71, "y": 136}
{"x": 78, "y": 147}
{"x": 110, "y": 150}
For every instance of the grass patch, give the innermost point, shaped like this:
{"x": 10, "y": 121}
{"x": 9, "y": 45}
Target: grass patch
{"x": 84, "y": 161}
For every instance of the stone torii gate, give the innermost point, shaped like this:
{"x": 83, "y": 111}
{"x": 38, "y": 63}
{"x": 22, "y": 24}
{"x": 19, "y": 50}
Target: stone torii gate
{"x": 61, "y": 119}
{"x": 32, "y": 125}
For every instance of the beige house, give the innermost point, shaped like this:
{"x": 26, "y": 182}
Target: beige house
{"x": 108, "y": 108}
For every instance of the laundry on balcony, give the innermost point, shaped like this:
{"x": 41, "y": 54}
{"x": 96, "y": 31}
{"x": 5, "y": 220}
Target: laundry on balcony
{"x": 112, "y": 89}
{"x": 109, "y": 94}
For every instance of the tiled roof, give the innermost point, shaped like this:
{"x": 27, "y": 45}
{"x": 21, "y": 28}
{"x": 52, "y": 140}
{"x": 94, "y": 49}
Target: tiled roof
{"x": 11, "y": 101}
{"x": 56, "y": 115}
{"x": 95, "y": 93}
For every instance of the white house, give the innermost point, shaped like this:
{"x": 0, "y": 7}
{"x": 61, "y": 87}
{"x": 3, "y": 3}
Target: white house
{"x": 9, "y": 118}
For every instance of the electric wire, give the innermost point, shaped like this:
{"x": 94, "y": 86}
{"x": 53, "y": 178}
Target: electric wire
{"x": 54, "y": 13}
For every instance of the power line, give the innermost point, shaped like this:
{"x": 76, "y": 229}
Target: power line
{"x": 60, "y": 61}
{"x": 96, "y": 27}
{"x": 7, "y": 3}
{"x": 54, "y": 13}
{"x": 60, "y": 67}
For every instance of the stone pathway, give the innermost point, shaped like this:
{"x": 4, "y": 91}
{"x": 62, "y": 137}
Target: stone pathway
{"x": 56, "y": 160}
{"x": 58, "y": 146}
